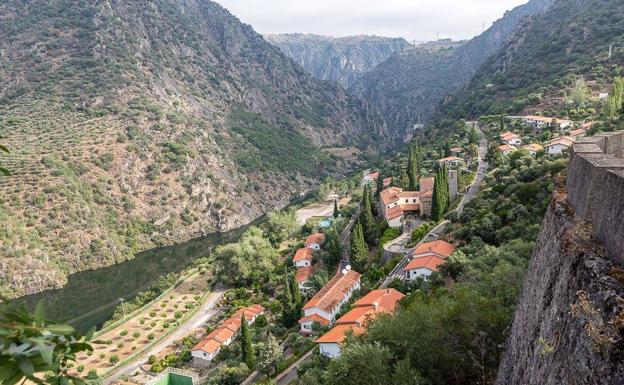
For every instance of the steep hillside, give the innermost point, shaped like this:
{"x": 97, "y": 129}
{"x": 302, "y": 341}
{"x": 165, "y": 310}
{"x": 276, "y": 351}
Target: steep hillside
{"x": 136, "y": 124}
{"x": 571, "y": 39}
{"x": 408, "y": 87}
{"x": 342, "y": 60}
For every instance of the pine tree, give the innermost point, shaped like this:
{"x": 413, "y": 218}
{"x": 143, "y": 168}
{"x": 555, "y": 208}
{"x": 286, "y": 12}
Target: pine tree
{"x": 289, "y": 315}
{"x": 413, "y": 173}
{"x": 367, "y": 219}
{"x": 336, "y": 211}
{"x": 334, "y": 246}
{"x": 246, "y": 347}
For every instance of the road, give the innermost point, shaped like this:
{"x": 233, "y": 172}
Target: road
{"x": 206, "y": 312}
{"x": 397, "y": 246}
{"x": 290, "y": 374}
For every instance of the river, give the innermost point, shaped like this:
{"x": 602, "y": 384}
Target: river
{"x": 90, "y": 297}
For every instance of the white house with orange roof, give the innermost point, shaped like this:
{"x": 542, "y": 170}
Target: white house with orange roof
{"x": 558, "y": 145}
{"x": 315, "y": 241}
{"x": 533, "y": 148}
{"x": 453, "y": 161}
{"x": 208, "y": 348}
{"x": 371, "y": 176}
{"x": 426, "y": 258}
{"x": 578, "y": 133}
{"x": 302, "y": 276}
{"x": 506, "y": 149}
{"x": 326, "y": 304}
{"x": 544, "y": 121}
{"x": 511, "y": 139}
{"x": 303, "y": 257}
{"x": 399, "y": 205}
{"x": 356, "y": 320}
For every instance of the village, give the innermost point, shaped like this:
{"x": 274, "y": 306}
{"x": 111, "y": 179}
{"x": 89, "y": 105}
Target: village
{"x": 340, "y": 278}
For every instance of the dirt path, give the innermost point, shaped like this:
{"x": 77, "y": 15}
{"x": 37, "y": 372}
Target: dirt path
{"x": 322, "y": 209}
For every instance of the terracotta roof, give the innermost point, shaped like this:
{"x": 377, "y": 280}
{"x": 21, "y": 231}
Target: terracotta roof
{"x": 533, "y": 147}
{"x": 587, "y": 125}
{"x": 410, "y": 207}
{"x": 315, "y": 238}
{"x": 578, "y": 132}
{"x": 508, "y": 136}
{"x": 373, "y": 175}
{"x": 450, "y": 159}
{"x": 390, "y": 195}
{"x": 304, "y": 273}
{"x": 431, "y": 262}
{"x": 334, "y": 291}
{"x": 387, "y": 181}
{"x": 314, "y": 318}
{"x": 221, "y": 334}
{"x": 394, "y": 212}
{"x": 208, "y": 345}
{"x": 382, "y": 299}
{"x": 426, "y": 184}
{"x": 506, "y": 147}
{"x": 442, "y": 248}
{"x": 457, "y": 149}
{"x": 546, "y": 119}
{"x": 357, "y": 315}
{"x": 303, "y": 254}
{"x": 409, "y": 194}
{"x": 563, "y": 140}
{"x": 339, "y": 333}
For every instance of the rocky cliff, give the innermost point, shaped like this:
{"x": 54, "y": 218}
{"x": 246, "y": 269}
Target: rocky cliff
{"x": 342, "y": 60}
{"x": 134, "y": 124}
{"x": 569, "y": 324}
{"x": 408, "y": 87}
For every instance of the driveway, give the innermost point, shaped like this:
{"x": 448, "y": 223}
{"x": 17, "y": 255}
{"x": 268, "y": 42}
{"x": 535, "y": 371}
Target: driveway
{"x": 206, "y": 312}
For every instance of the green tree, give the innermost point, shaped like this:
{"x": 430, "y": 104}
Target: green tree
{"x": 4, "y": 170}
{"x": 31, "y": 345}
{"x": 269, "y": 355}
{"x": 336, "y": 210}
{"x": 290, "y": 313}
{"x": 440, "y": 199}
{"x": 367, "y": 219}
{"x": 296, "y": 294}
{"x": 246, "y": 347}
{"x": 379, "y": 186}
{"x": 405, "y": 374}
{"x": 281, "y": 225}
{"x": 318, "y": 280}
{"x": 361, "y": 364}
{"x": 333, "y": 246}
{"x": 359, "y": 250}
{"x": 474, "y": 137}
{"x": 501, "y": 122}
{"x": 413, "y": 169}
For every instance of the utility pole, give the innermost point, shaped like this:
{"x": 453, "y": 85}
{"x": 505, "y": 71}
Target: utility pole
{"x": 123, "y": 309}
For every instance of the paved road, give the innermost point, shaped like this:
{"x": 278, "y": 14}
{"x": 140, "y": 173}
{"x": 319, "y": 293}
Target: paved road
{"x": 206, "y": 312}
{"x": 290, "y": 374}
{"x": 398, "y": 272}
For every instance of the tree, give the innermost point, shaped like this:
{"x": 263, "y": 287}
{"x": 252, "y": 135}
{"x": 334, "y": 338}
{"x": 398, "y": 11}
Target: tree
{"x": 318, "y": 280}
{"x": 359, "y": 250}
{"x": 367, "y": 219}
{"x": 336, "y": 210}
{"x": 361, "y": 364}
{"x": 379, "y": 187}
{"x": 290, "y": 313}
{"x": 440, "y": 199}
{"x": 246, "y": 347}
{"x": 501, "y": 122}
{"x": 296, "y": 293}
{"x": 269, "y": 354}
{"x": 31, "y": 345}
{"x": 579, "y": 93}
{"x": 280, "y": 225}
{"x": 333, "y": 246}
{"x": 405, "y": 374}
{"x": 413, "y": 172}
{"x": 4, "y": 170}
{"x": 474, "y": 137}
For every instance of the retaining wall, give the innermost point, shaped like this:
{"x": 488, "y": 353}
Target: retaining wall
{"x": 596, "y": 188}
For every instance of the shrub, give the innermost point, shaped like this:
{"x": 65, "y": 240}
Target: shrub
{"x": 150, "y": 336}
{"x": 152, "y": 314}
{"x": 178, "y": 315}
{"x": 123, "y": 333}
{"x": 114, "y": 359}
{"x": 152, "y": 359}
{"x": 153, "y": 323}
{"x": 142, "y": 321}
{"x": 102, "y": 356}
{"x": 80, "y": 368}
{"x": 136, "y": 334}
{"x": 120, "y": 345}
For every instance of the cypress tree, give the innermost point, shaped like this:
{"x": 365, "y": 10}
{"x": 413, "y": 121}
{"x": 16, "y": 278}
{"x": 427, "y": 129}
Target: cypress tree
{"x": 359, "y": 250}
{"x": 296, "y": 293}
{"x": 474, "y": 138}
{"x": 379, "y": 187}
{"x": 367, "y": 219}
{"x": 502, "y": 123}
{"x": 288, "y": 306}
{"x": 336, "y": 211}
{"x": 246, "y": 347}
{"x": 371, "y": 201}
{"x": 333, "y": 246}
{"x": 412, "y": 170}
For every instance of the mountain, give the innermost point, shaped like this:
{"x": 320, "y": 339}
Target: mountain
{"x": 409, "y": 86}
{"x": 138, "y": 124}
{"x": 571, "y": 39}
{"x": 342, "y": 60}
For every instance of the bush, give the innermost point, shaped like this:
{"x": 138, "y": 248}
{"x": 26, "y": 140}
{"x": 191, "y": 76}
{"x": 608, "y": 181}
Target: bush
{"x": 152, "y": 359}
{"x": 123, "y": 333}
{"x": 136, "y": 334}
{"x": 150, "y": 337}
{"x": 114, "y": 359}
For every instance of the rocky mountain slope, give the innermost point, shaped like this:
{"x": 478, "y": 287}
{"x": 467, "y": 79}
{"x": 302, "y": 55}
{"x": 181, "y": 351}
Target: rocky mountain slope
{"x": 342, "y": 60}
{"x": 571, "y": 39}
{"x": 137, "y": 124}
{"x": 408, "y": 87}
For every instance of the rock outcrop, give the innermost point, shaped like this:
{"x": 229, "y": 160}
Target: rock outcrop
{"x": 569, "y": 324}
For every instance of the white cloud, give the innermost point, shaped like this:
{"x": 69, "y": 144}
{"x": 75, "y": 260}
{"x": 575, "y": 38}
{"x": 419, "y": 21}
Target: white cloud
{"x": 411, "y": 19}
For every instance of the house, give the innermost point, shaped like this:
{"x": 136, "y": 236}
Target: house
{"x": 441, "y": 249}
{"x": 557, "y": 145}
{"x": 422, "y": 267}
{"x": 326, "y": 304}
{"x": 356, "y": 320}
{"x": 208, "y": 348}
{"x": 578, "y": 133}
{"x": 457, "y": 150}
{"x": 315, "y": 241}
{"x": 506, "y": 149}
{"x": 371, "y": 176}
{"x": 451, "y": 161}
{"x": 303, "y": 257}
{"x": 399, "y": 205}
{"x": 533, "y": 148}
{"x": 302, "y": 276}
{"x": 543, "y": 121}
{"x": 387, "y": 181}
{"x": 511, "y": 139}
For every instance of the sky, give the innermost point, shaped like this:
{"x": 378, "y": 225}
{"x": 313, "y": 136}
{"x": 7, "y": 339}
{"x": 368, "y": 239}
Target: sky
{"x": 420, "y": 20}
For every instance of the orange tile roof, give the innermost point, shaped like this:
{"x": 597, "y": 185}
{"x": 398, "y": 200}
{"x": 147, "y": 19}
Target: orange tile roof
{"x": 373, "y": 175}
{"x": 506, "y": 147}
{"x": 303, "y": 254}
{"x": 334, "y": 291}
{"x": 508, "y": 136}
{"x": 384, "y": 299}
{"x": 442, "y": 248}
{"x": 563, "y": 140}
{"x": 387, "y": 181}
{"x": 390, "y": 195}
{"x": 533, "y": 147}
{"x": 208, "y": 345}
{"x": 304, "y": 273}
{"x": 431, "y": 262}
{"x": 315, "y": 238}
{"x": 221, "y": 334}
{"x": 450, "y": 159}
{"x": 410, "y": 207}
{"x": 357, "y": 315}
{"x": 578, "y": 132}
{"x": 409, "y": 194}
{"x": 314, "y": 318}
{"x": 457, "y": 149}
{"x": 426, "y": 184}
{"x": 394, "y": 212}
{"x": 339, "y": 333}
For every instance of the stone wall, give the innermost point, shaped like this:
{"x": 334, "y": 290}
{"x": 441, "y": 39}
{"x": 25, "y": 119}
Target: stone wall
{"x": 596, "y": 188}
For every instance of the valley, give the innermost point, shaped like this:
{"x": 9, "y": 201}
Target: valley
{"x": 187, "y": 201}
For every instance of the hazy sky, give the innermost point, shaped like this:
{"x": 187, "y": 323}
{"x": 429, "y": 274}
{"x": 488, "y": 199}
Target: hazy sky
{"x": 411, "y": 19}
